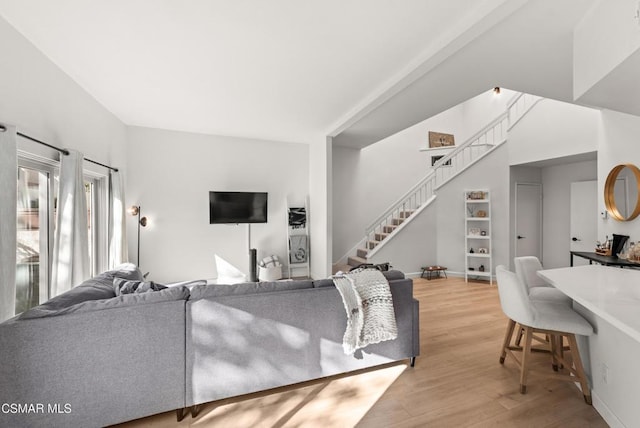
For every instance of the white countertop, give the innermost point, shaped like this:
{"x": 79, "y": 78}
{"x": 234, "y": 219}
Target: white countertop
{"x": 611, "y": 293}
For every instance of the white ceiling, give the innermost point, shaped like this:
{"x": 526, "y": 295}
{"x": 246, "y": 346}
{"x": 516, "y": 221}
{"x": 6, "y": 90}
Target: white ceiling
{"x": 286, "y": 70}
{"x": 299, "y": 70}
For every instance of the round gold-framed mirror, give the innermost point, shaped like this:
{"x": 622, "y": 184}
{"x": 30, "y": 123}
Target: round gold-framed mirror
{"x": 621, "y": 192}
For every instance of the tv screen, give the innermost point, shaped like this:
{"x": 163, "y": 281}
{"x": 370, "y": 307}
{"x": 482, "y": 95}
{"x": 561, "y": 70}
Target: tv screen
{"x": 237, "y": 207}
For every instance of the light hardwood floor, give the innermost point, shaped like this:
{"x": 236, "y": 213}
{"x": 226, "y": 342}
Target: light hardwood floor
{"x": 457, "y": 381}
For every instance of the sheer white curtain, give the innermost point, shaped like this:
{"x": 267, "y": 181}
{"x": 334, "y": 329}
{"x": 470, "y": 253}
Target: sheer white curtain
{"x": 8, "y": 220}
{"x": 117, "y": 226}
{"x": 71, "y": 239}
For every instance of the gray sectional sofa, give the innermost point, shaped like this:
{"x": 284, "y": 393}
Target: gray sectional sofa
{"x": 91, "y": 358}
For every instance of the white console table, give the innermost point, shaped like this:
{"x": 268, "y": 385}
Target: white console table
{"x": 609, "y": 297}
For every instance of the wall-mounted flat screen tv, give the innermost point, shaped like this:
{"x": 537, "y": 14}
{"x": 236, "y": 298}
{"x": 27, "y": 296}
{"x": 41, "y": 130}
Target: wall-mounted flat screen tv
{"x": 237, "y": 207}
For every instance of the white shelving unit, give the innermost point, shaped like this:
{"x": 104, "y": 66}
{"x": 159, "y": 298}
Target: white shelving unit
{"x": 477, "y": 243}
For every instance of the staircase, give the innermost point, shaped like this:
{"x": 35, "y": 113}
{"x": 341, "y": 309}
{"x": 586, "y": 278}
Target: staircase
{"x": 424, "y": 193}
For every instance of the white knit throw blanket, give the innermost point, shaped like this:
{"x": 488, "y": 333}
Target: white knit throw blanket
{"x": 369, "y": 306}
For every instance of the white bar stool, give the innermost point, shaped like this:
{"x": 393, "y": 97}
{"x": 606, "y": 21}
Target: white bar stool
{"x": 557, "y": 320}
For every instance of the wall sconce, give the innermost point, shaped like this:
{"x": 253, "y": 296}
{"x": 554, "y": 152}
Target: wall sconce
{"x": 135, "y": 210}
{"x": 496, "y": 91}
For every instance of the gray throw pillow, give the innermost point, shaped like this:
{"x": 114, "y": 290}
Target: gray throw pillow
{"x": 123, "y": 286}
{"x": 99, "y": 287}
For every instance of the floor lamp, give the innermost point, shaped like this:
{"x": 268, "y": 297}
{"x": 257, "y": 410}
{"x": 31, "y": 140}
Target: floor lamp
{"x": 142, "y": 221}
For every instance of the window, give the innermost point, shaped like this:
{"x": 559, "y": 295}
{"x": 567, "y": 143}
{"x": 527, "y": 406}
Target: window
{"x": 36, "y": 212}
{"x": 35, "y": 218}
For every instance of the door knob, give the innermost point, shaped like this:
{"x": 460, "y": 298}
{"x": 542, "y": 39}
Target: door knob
{"x": 521, "y": 237}
{"x": 574, "y": 239}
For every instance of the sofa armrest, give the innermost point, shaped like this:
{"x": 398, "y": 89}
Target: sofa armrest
{"x": 416, "y": 327}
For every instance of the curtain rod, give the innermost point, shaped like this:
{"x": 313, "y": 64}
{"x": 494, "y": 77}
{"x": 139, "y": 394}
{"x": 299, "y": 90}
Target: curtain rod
{"x": 63, "y": 151}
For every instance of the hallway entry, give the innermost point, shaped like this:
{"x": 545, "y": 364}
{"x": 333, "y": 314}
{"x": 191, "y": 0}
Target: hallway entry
{"x": 528, "y": 223}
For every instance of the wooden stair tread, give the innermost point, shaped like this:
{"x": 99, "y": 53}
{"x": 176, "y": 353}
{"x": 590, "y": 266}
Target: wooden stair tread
{"x": 354, "y": 261}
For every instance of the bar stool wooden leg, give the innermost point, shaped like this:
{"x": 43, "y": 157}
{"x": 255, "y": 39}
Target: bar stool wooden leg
{"x": 526, "y": 356}
{"x": 507, "y": 340}
{"x": 577, "y": 362}
{"x": 553, "y": 339}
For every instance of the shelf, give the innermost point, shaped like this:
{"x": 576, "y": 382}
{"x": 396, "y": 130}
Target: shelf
{"x": 434, "y": 149}
{"x": 475, "y": 223}
{"x": 478, "y": 273}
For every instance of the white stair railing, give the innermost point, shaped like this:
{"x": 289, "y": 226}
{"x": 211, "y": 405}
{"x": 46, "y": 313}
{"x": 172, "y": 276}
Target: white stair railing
{"x": 519, "y": 106}
{"x": 456, "y": 161}
{"x": 461, "y": 157}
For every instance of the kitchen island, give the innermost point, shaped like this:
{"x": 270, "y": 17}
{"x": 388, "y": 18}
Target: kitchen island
{"x": 609, "y": 298}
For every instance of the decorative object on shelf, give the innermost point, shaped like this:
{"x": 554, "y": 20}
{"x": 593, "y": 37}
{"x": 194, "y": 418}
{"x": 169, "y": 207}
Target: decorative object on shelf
{"x": 298, "y": 218}
{"x": 475, "y": 231}
{"x": 483, "y": 233}
{"x": 470, "y": 211}
{"x": 438, "y": 139}
{"x": 471, "y": 251}
{"x": 633, "y": 254}
{"x": 483, "y": 251}
{"x": 481, "y": 213}
{"x": 481, "y": 268}
{"x": 135, "y": 210}
{"x": 618, "y": 244}
{"x": 475, "y": 195}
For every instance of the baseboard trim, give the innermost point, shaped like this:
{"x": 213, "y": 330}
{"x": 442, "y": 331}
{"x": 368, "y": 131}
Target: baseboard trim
{"x": 609, "y": 417}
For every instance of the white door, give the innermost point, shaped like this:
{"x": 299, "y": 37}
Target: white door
{"x": 584, "y": 218}
{"x": 528, "y": 225}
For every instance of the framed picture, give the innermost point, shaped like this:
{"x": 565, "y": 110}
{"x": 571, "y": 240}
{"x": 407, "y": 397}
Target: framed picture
{"x": 438, "y": 139}
{"x": 435, "y": 159}
{"x": 297, "y": 218}
{"x": 476, "y": 195}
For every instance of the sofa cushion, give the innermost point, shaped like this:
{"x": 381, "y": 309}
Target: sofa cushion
{"x": 99, "y": 287}
{"x": 127, "y": 271}
{"x": 124, "y": 286}
{"x": 166, "y": 295}
{"x": 218, "y": 290}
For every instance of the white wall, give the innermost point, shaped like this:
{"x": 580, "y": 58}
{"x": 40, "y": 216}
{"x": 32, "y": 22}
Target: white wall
{"x": 553, "y": 129}
{"x": 491, "y": 173}
{"x": 607, "y": 35}
{"x": 320, "y": 190}
{"x": 619, "y": 145}
{"x": 414, "y": 246}
{"x": 171, "y": 174}
{"x": 480, "y": 110}
{"x": 45, "y": 103}
{"x": 366, "y": 182}
{"x": 556, "y": 209}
